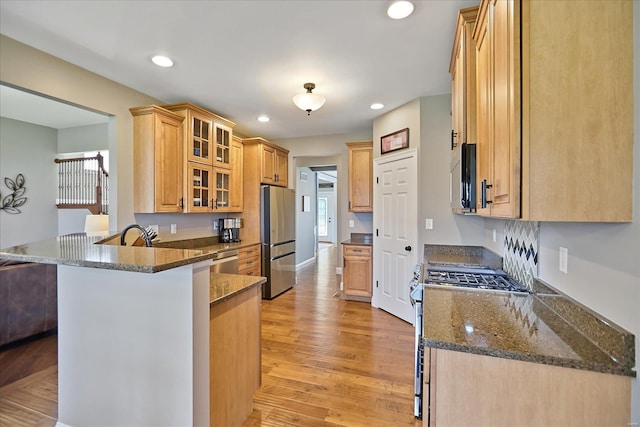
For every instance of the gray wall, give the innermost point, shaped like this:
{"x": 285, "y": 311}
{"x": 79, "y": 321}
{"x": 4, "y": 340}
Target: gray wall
{"x": 30, "y": 150}
{"x": 305, "y": 221}
{"x": 84, "y": 138}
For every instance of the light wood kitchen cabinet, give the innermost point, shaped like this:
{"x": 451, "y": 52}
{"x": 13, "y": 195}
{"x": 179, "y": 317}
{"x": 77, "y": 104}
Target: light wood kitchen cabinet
{"x": 555, "y": 126}
{"x": 249, "y": 260}
{"x": 271, "y": 160}
{"x": 357, "y": 273}
{"x": 498, "y": 115}
{"x": 235, "y": 359}
{"x": 222, "y": 190}
{"x": 158, "y": 171}
{"x": 200, "y": 188}
{"x": 207, "y": 136}
{"x": 259, "y": 163}
{"x": 222, "y": 142}
{"x": 360, "y": 176}
{"x": 538, "y": 395}
{"x": 236, "y": 194}
{"x": 463, "y": 80}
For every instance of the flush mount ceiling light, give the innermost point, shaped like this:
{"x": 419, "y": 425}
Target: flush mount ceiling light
{"x": 308, "y": 101}
{"x": 376, "y": 106}
{"x": 400, "y": 9}
{"x": 162, "y": 61}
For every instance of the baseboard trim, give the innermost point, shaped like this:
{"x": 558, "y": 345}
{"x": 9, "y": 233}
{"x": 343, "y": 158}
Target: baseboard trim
{"x": 306, "y": 263}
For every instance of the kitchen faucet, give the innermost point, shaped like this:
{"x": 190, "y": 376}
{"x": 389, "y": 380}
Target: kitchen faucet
{"x": 143, "y": 234}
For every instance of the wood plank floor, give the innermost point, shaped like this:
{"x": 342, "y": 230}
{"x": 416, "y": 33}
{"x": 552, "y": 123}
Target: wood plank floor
{"x": 325, "y": 362}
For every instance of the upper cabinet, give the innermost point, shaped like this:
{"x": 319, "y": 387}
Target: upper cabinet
{"x": 554, "y": 111}
{"x": 463, "y": 80}
{"x": 157, "y": 156}
{"x": 360, "y": 176}
{"x": 236, "y": 161}
{"x": 272, "y": 161}
{"x": 193, "y": 168}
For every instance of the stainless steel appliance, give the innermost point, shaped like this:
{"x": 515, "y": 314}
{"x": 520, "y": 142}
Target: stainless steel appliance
{"x": 225, "y": 262}
{"x": 229, "y": 229}
{"x": 472, "y": 277}
{"x": 415, "y": 295}
{"x": 463, "y": 179}
{"x": 278, "y": 238}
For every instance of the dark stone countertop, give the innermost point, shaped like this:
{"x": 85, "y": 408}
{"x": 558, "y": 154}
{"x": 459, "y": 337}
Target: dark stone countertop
{"x": 545, "y": 327}
{"x": 83, "y": 250}
{"x": 225, "y": 286}
{"x": 359, "y": 239}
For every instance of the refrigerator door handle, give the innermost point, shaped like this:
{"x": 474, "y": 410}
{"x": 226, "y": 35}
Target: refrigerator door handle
{"x": 281, "y": 243}
{"x": 282, "y": 256}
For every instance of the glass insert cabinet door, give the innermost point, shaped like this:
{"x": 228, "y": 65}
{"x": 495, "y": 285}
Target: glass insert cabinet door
{"x": 200, "y": 192}
{"x": 200, "y": 148}
{"x": 223, "y": 145}
{"x": 222, "y": 180}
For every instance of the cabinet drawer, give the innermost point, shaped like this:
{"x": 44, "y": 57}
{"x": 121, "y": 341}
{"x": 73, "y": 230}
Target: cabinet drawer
{"x": 252, "y": 270}
{"x": 350, "y": 250}
{"x": 249, "y": 252}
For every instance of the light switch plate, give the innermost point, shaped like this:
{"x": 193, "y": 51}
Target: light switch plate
{"x": 174, "y": 228}
{"x": 352, "y": 223}
{"x": 564, "y": 254}
{"x": 428, "y": 223}
{"x": 494, "y": 235}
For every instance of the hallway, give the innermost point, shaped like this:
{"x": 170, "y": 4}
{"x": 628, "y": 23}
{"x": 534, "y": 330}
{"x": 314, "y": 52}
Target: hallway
{"x": 325, "y": 362}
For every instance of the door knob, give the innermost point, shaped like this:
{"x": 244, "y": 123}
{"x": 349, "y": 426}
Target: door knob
{"x": 407, "y": 248}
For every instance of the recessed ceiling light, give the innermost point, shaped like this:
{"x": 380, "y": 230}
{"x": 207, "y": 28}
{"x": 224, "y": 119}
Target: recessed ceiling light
{"x": 162, "y": 61}
{"x": 400, "y": 9}
{"x": 263, "y": 118}
{"x": 376, "y": 106}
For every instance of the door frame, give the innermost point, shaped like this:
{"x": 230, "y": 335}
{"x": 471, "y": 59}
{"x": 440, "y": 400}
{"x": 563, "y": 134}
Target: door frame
{"x": 390, "y": 158}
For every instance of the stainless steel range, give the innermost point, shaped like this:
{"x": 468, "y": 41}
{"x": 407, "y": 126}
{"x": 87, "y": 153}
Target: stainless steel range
{"x": 473, "y": 277}
{"x": 442, "y": 274}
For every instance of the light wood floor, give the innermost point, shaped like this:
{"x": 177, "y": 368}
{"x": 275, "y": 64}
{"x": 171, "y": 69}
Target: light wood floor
{"x": 325, "y": 362}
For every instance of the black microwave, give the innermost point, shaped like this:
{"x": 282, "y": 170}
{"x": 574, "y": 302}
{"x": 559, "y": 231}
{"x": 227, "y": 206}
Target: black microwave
{"x": 463, "y": 179}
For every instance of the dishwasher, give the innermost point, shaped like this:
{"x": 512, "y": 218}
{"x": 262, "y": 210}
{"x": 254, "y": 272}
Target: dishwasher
{"x": 225, "y": 262}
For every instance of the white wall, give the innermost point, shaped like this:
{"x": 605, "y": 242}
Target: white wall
{"x": 29, "y": 150}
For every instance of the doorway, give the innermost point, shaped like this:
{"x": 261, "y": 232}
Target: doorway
{"x": 326, "y": 202}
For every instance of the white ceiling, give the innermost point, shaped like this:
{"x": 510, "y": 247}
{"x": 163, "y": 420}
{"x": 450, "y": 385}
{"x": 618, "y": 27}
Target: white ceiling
{"x": 244, "y": 58}
{"x": 28, "y": 107}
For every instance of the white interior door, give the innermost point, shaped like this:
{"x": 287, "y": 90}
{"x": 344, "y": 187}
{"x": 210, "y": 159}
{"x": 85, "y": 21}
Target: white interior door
{"x": 395, "y": 223}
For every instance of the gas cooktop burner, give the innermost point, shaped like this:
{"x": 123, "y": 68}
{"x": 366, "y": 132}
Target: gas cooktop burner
{"x": 478, "y": 279}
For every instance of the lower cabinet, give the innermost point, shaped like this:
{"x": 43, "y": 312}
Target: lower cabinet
{"x": 249, "y": 260}
{"x": 469, "y": 389}
{"x": 234, "y": 361}
{"x": 356, "y": 273}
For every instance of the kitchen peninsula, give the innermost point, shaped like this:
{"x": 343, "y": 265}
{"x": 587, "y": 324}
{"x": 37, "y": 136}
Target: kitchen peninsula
{"x": 143, "y": 333}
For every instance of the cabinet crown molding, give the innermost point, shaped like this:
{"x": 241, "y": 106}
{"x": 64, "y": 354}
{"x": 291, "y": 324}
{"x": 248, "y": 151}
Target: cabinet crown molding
{"x": 150, "y": 109}
{"x": 187, "y": 105}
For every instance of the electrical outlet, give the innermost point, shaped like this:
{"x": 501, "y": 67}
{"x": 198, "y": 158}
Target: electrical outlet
{"x": 352, "y": 223}
{"x": 174, "y": 228}
{"x": 494, "y": 235}
{"x": 215, "y": 225}
{"x": 564, "y": 255}
{"x": 428, "y": 223}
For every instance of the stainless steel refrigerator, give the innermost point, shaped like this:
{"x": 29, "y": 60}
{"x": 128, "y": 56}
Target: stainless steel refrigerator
{"x": 278, "y": 238}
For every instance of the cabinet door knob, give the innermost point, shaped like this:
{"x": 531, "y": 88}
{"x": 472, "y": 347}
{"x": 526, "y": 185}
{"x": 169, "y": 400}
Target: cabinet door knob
{"x": 407, "y": 248}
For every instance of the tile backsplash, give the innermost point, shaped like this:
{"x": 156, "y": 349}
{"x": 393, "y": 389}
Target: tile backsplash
{"x": 521, "y": 250}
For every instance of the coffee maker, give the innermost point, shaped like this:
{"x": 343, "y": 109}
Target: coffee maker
{"x": 229, "y": 229}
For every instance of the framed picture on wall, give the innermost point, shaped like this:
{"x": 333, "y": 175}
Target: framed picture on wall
{"x": 394, "y": 141}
